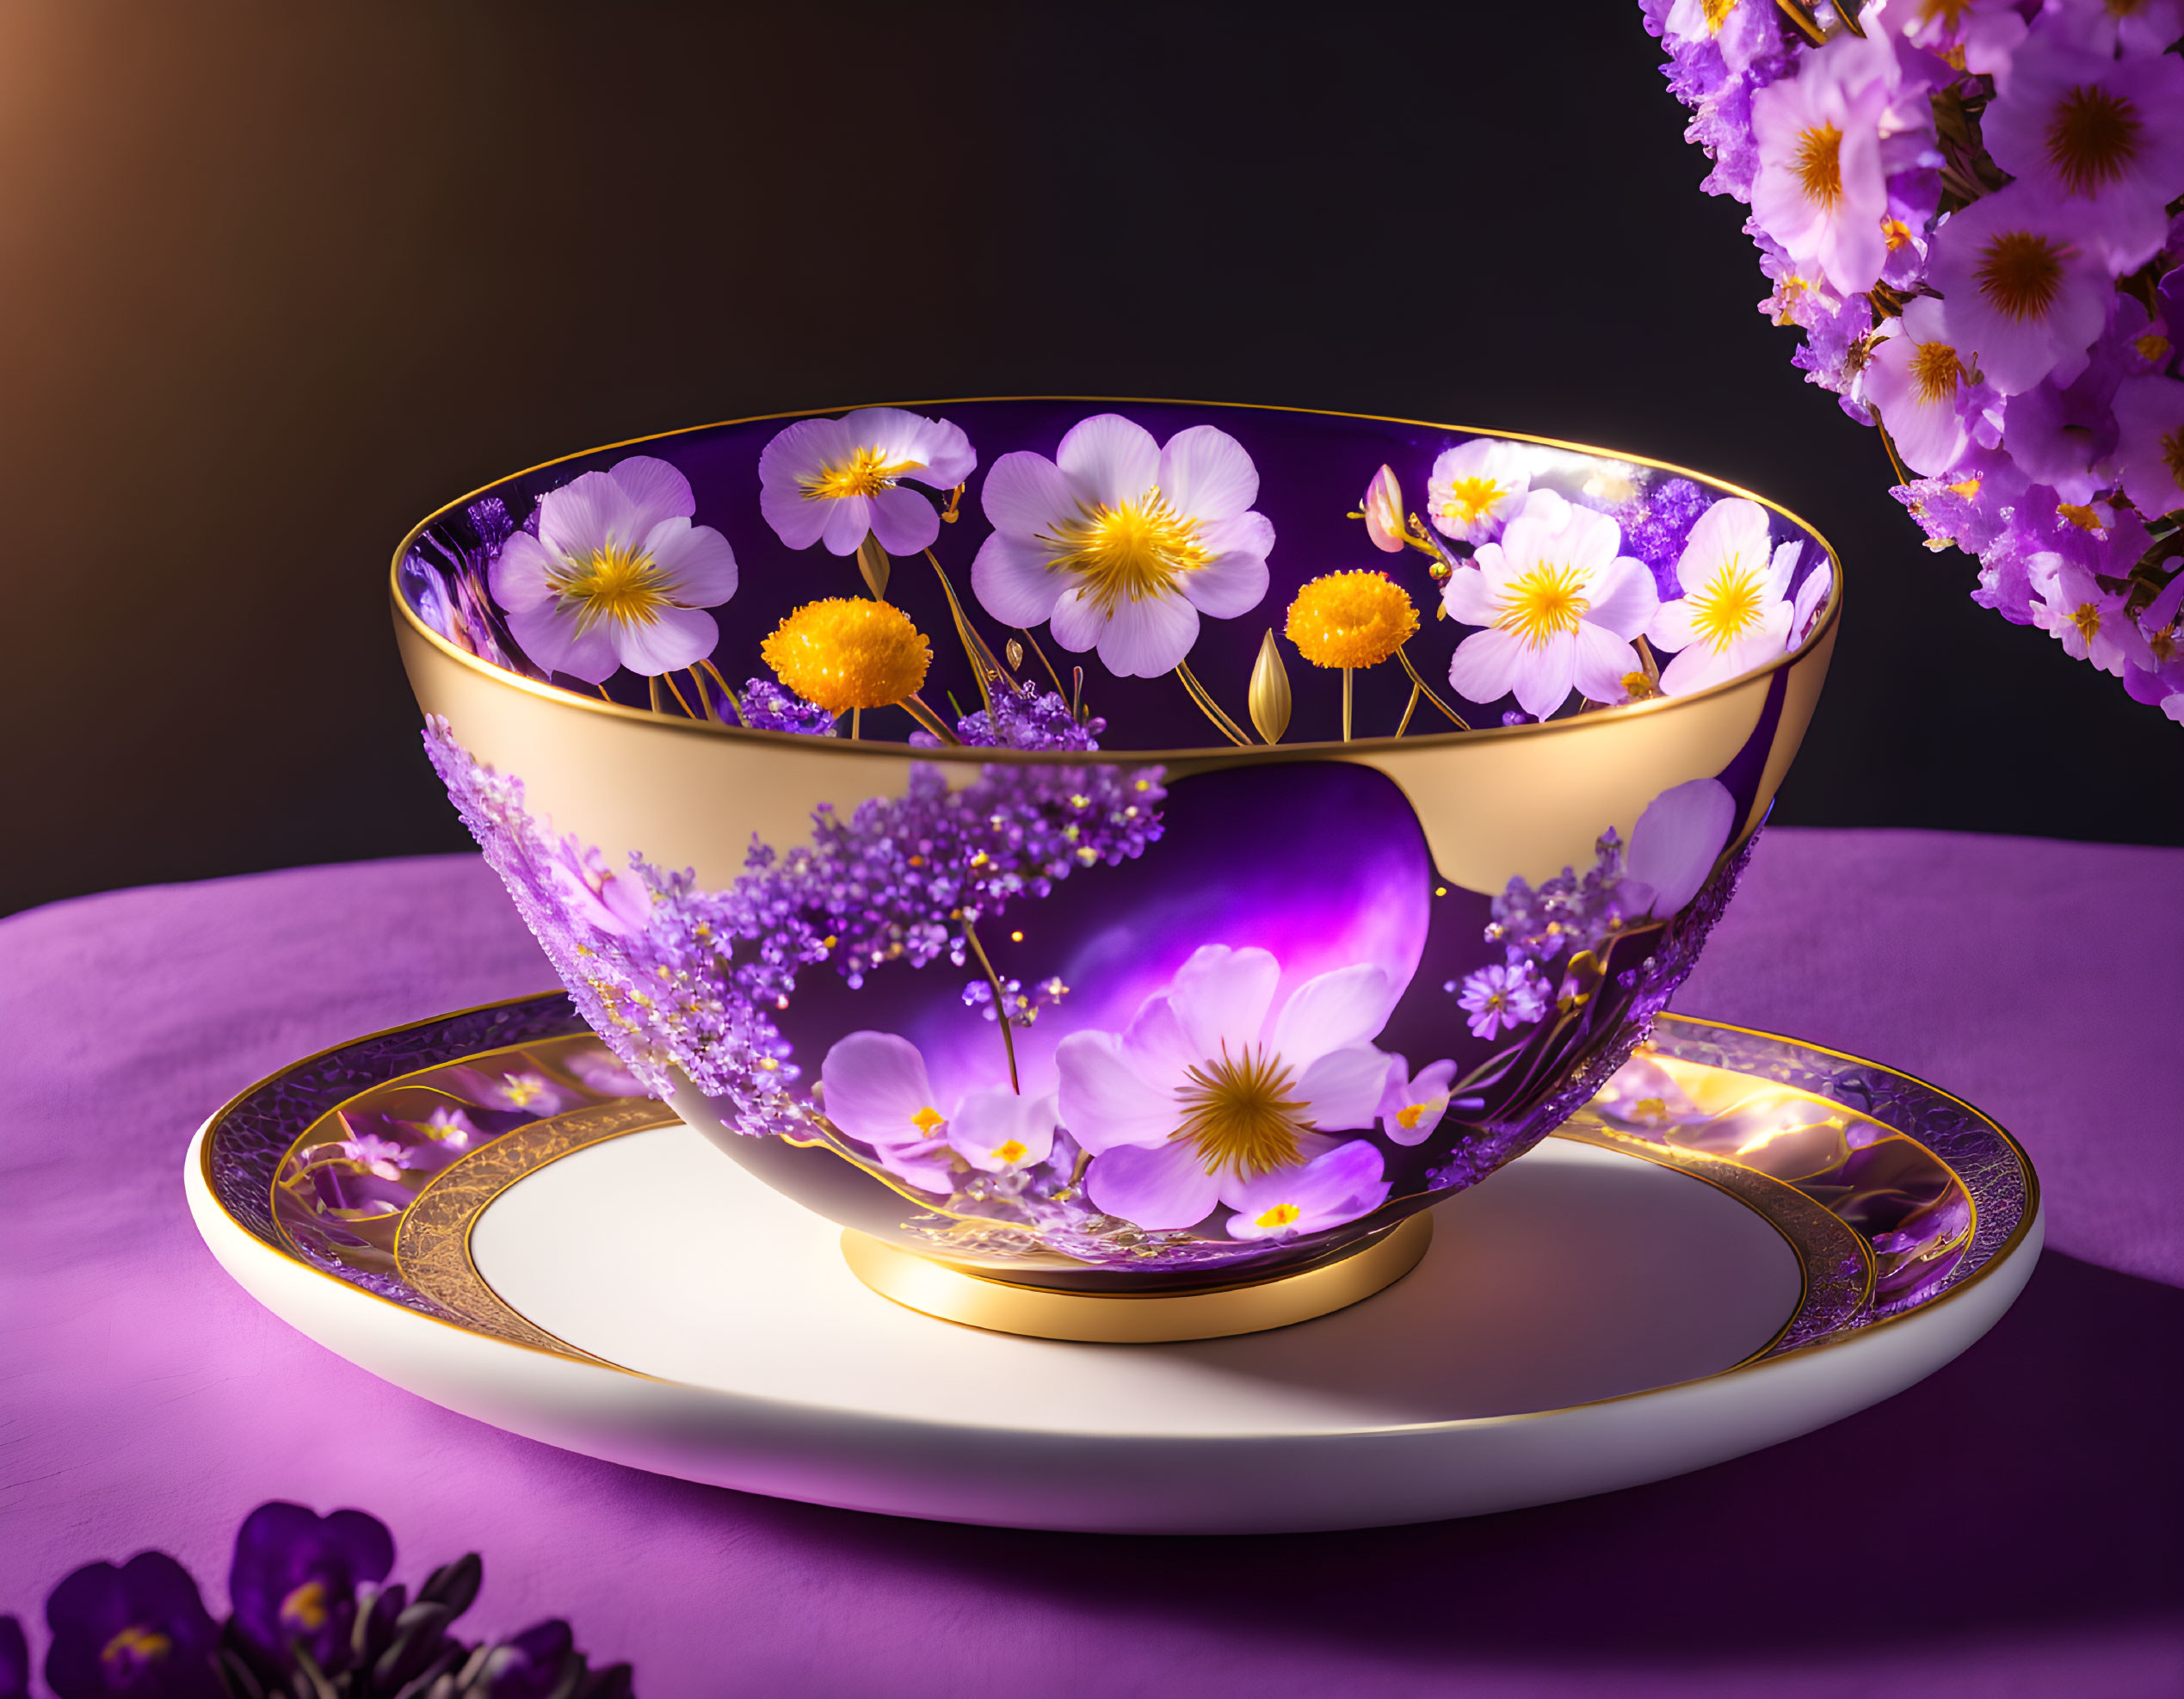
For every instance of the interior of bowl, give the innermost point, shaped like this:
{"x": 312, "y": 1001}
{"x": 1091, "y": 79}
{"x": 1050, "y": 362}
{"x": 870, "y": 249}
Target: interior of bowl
{"x": 1059, "y": 512}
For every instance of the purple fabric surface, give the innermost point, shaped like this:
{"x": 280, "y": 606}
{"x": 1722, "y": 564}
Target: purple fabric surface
{"x": 2007, "y": 1527}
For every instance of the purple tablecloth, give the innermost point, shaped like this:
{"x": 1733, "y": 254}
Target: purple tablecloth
{"x": 2011, "y": 1526}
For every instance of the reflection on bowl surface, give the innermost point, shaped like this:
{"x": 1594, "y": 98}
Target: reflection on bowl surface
{"x": 1110, "y": 872}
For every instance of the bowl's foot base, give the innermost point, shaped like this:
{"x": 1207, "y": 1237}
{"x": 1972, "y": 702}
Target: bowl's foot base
{"x": 1136, "y": 1318}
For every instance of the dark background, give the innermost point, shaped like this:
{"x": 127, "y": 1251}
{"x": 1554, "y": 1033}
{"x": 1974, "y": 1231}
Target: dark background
{"x": 281, "y": 278}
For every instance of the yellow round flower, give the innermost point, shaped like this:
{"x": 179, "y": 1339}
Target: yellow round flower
{"x": 1351, "y": 620}
{"x": 844, "y": 653}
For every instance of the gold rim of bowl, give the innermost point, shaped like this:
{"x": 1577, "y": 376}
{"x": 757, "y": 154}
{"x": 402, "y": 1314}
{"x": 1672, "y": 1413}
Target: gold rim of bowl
{"x": 1225, "y": 753}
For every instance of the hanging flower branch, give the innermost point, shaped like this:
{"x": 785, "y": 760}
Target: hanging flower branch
{"x": 1971, "y": 210}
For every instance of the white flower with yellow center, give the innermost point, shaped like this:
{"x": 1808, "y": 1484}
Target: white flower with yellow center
{"x": 1559, "y": 606}
{"x": 617, "y": 575}
{"x": 874, "y": 1087}
{"x": 1735, "y": 612}
{"x": 1213, "y": 1086}
{"x": 1475, "y": 488}
{"x": 1122, "y": 543}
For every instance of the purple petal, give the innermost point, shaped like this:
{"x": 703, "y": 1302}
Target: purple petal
{"x": 672, "y": 637}
{"x": 1162, "y": 1190}
{"x": 1206, "y": 474}
{"x": 1013, "y": 582}
{"x": 1107, "y": 1103}
{"x": 654, "y": 489}
{"x": 904, "y": 521}
{"x": 1342, "y": 1088}
{"x": 1347, "y": 1006}
{"x": 587, "y": 515}
{"x": 797, "y": 520}
{"x": 1108, "y": 460}
{"x": 1677, "y": 840}
{"x": 849, "y": 518}
{"x": 1145, "y": 639}
{"x": 520, "y": 574}
{"x": 1026, "y": 496}
{"x": 550, "y": 638}
{"x": 1221, "y": 996}
{"x": 699, "y": 565}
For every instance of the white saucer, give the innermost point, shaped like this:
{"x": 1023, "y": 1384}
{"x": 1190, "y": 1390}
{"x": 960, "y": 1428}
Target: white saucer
{"x": 1592, "y": 1317}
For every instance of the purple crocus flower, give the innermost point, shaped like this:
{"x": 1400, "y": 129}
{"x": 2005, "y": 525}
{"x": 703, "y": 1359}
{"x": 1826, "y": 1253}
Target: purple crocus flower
{"x": 2026, "y": 293}
{"x": 15, "y": 1660}
{"x": 141, "y": 1631}
{"x": 2103, "y": 137}
{"x": 617, "y": 575}
{"x": 1919, "y": 381}
{"x": 875, "y": 1089}
{"x": 376, "y": 1155}
{"x": 2150, "y": 420}
{"x": 836, "y": 480}
{"x": 518, "y": 1088}
{"x": 1413, "y": 1104}
{"x": 1821, "y": 190}
{"x": 1213, "y": 1086}
{"x": 295, "y": 1579}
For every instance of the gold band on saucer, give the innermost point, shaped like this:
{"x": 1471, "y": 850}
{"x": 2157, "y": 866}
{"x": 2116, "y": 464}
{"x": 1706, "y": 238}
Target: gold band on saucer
{"x": 1136, "y": 1318}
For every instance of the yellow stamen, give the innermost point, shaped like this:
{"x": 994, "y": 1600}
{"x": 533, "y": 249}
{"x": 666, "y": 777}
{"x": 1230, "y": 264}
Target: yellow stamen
{"x": 1543, "y": 604}
{"x": 1351, "y": 620}
{"x": 864, "y": 473}
{"x": 1240, "y": 1115}
{"x": 1935, "y": 372}
{"x": 2153, "y": 348}
{"x": 1469, "y": 500}
{"x": 1134, "y": 551}
{"x": 848, "y": 653}
{"x": 1967, "y": 488}
{"x": 1896, "y": 233}
{"x": 1280, "y": 1216}
{"x": 523, "y": 1090}
{"x": 1014, "y": 1151}
{"x": 135, "y": 1644}
{"x": 1819, "y": 165}
{"x": 1729, "y": 606}
{"x": 927, "y": 1119}
{"x": 618, "y": 582}
{"x": 2086, "y": 618}
{"x": 2164, "y": 643}
{"x": 2172, "y": 448}
{"x": 2093, "y": 138}
{"x": 2020, "y": 273}
{"x": 305, "y": 1608}
{"x": 2080, "y": 514}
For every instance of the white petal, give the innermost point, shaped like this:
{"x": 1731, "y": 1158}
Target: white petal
{"x": 1226, "y": 586}
{"x": 1221, "y": 997}
{"x": 1623, "y": 596}
{"x": 1146, "y": 639}
{"x": 1671, "y": 628}
{"x": 1205, "y": 473}
{"x": 1014, "y": 583}
{"x": 1484, "y": 664}
{"x": 1342, "y": 1090}
{"x": 1108, "y": 460}
{"x": 990, "y": 1120}
{"x": 1542, "y": 677}
{"x": 1345, "y": 1006}
{"x": 1026, "y": 496}
{"x": 1104, "y": 1101}
{"x": 1603, "y": 661}
{"x": 1161, "y": 1189}
{"x": 1733, "y": 530}
{"x": 1467, "y": 598}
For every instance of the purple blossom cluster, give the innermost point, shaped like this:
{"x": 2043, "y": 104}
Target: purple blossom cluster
{"x": 1028, "y": 718}
{"x": 1971, "y": 211}
{"x": 446, "y": 572}
{"x": 676, "y": 977}
{"x": 1570, "y": 911}
{"x": 764, "y": 706}
{"x": 1656, "y": 523}
{"x": 313, "y": 1618}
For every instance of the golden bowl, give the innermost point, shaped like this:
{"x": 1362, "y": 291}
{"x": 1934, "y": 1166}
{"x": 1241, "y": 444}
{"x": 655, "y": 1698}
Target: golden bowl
{"x": 1212, "y": 1008}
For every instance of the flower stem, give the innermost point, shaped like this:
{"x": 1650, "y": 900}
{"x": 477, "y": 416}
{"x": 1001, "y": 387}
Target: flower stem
{"x": 733, "y": 701}
{"x": 1346, "y": 704}
{"x": 984, "y": 665}
{"x": 1199, "y": 694}
{"x": 1000, "y": 1008}
{"x": 1889, "y": 443}
{"x": 658, "y": 706}
{"x": 920, "y": 710}
{"x": 1409, "y": 709}
{"x": 1043, "y": 662}
{"x": 679, "y": 702}
{"x": 856, "y": 724}
{"x": 1427, "y": 690}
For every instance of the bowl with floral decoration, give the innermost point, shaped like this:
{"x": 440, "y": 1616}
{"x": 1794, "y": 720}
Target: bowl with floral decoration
{"x": 1116, "y": 848}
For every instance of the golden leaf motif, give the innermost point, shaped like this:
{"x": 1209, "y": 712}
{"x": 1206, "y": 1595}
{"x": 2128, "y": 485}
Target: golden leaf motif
{"x": 1269, "y": 698}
